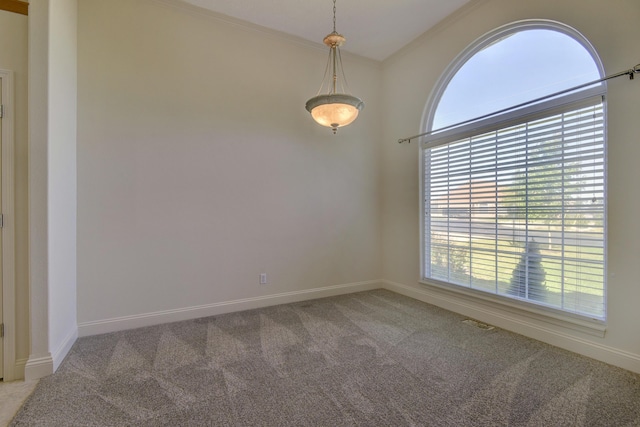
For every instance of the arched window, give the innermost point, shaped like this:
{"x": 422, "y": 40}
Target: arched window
{"x": 514, "y": 190}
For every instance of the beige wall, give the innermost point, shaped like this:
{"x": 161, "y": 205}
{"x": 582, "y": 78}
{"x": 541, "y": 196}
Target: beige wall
{"x": 199, "y": 168}
{"x": 13, "y": 56}
{"x": 52, "y": 183}
{"x": 62, "y": 188}
{"x": 409, "y": 77}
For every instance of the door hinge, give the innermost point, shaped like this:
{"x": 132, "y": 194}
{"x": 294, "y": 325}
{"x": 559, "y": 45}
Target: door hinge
{"x": 1, "y": 330}
{"x": 1, "y": 111}
{"x": 1, "y": 220}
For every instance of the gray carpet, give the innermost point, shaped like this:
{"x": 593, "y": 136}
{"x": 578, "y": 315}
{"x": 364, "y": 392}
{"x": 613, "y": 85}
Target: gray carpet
{"x": 367, "y": 359}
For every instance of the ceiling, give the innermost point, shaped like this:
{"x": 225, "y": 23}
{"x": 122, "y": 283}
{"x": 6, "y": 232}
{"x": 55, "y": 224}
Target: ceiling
{"x": 374, "y": 28}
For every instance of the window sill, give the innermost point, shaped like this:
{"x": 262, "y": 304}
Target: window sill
{"x": 538, "y": 313}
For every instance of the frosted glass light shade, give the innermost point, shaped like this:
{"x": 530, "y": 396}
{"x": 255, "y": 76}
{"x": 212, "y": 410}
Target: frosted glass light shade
{"x": 335, "y": 110}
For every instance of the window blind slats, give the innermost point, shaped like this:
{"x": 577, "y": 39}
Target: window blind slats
{"x": 519, "y": 211}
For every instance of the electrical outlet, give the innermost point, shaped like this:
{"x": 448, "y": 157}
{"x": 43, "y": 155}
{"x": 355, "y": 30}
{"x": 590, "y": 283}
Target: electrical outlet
{"x": 263, "y": 278}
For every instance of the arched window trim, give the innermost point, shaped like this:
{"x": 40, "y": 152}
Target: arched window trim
{"x": 569, "y": 320}
{"x": 490, "y": 38}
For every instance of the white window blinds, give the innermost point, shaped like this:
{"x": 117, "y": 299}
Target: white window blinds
{"x": 518, "y": 208}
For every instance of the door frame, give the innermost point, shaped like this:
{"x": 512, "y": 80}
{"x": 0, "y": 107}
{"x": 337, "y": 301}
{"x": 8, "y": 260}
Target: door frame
{"x": 8, "y": 229}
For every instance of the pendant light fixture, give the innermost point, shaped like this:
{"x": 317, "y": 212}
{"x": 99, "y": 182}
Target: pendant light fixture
{"x": 334, "y": 109}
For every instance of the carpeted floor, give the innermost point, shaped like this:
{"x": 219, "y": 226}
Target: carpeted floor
{"x": 367, "y": 359}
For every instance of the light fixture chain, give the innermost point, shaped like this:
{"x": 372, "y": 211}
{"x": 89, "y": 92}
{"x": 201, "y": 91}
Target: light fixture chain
{"x": 334, "y": 16}
{"x": 345, "y": 83}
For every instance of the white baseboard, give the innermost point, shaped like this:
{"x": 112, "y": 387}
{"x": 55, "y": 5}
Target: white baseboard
{"x": 187, "y": 313}
{"x": 38, "y": 367}
{"x": 551, "y": 334}
{"x": 61, "y": 352}
{"x": 18, "y": 370}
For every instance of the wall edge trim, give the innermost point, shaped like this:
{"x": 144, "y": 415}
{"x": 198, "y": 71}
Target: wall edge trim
{"x": 38, "y": 367}
{"x": 187, "y": 313}
{"x": 61, "y": 352}
{"x": 507, "y": 321}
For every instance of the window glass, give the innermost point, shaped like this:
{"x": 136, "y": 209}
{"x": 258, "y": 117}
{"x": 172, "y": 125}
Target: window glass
{"x": 516, "y": 206}
{"x": 517, "y": 68}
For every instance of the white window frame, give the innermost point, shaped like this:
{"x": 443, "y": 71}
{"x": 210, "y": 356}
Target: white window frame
{"x": 591, "y": 326}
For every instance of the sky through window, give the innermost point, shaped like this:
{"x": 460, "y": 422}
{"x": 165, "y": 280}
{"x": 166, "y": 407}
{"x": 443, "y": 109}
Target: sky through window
{"x": 517, "y": 68}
